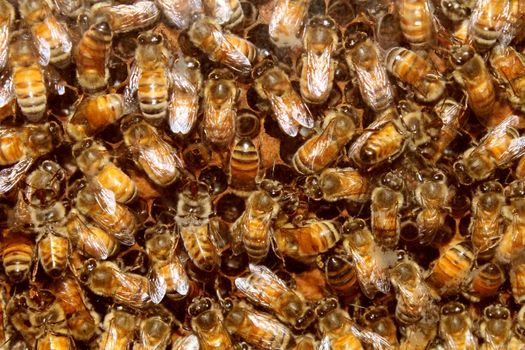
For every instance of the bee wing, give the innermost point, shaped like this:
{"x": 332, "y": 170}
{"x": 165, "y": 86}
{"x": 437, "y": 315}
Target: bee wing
{"x": 104, "y": 197}
{"x": 160, "y": 159}
{"x": 4, "y": 41}
{"x": 179, "y": 12}
{"x": 7, "y": 88}
{"x": 325, "y": 344}
{"x": 9, "y": 177}
{"x": 124, "y": 18}
{"x": 129, "y": 285}
{"x": 189, "y": 342}
{"x": 237, "y": 232}
{"x": 515, "y": 150}
{"x": 290, "y": 111}
{"x": 257, "y": 292}
{"x": 184, "y": 103}
{"x": 157, "y": 285}
{"x": 229, "y": 55}
{"x": 374, "y": 82}
{"x": 91, "y": 240}
{"x": 318, "y": 79}
{"x": 58, "y": 33}
{"x": 377, "y": 341}
{"x": 133, "y": 84}
{"x": 264, "y": 321}
{"x": 498, "y": 17}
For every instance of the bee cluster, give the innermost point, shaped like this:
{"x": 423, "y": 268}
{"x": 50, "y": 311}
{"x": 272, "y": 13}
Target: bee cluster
{"x": 262, "y": 174}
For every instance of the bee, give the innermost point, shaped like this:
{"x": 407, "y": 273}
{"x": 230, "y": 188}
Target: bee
{"x": 412, "y": 69}
{"x": 52, "y": 38}
{"x": 370, "y": 262}
{"x": 452, "y": 267}
{"x": 377, "y": 319}
{"x": 415, "y": 299}
{"x": 150, "y": 77}
{"x": 193, "y": 217}
{"x": 167, "y": 274}
{"x": 94, "y": 161}
{"x": 53, "y": 252}
{"x": 188, "y": 342}
{"x": 6, "y": 22}
{"x": 387, "y": 201}
{"x": 100, "y": 206}
{"x": 416, "y": 22}
{"x": 245, "y": 165}
{"x": 54, "y": 340}
{"x": 488, "y": 21}
{"x": 363, "y": 57}
{"x": 227, "y": 13}
{"x": 472, "y": 74}
{"x": 125, "y": 18}
{"x": 108, "y": 280}
{"x": 233, "y": 51}
{"x": 455, "y": 326}
{"x": 207, "y": 323}
{"x": 186, "y": 84}
{"x": 305, "y": 242}
{"x": 272, "y": 83}
{"x": 320, "y": 41}
{"x": 82, "y": 320}
{"x": 517, "y": 280}
{"x": 484, "y": 282}
{"x": 384, "y": 141}
{"x": 95, "y": 113}
{"x": 180, "y": 12}
{"x": 343, "y": 183}
{"x": 69, "y": 8}
{"x": 305, "y": 342}
{"x": 254, "y": 227}
{"x": 266, "y": 289}
{"x": 517, "y": 340}
{"x": 286, "y": 22}
{"x": 44, "y": 185}
{"x": 119, "y": 329}
{"x": 456, "y": 10}
{"x": 159, "y": 160}
{"x": 339, "y": 331}
{"x": 91, "y": 56}
{"x": 495, "y": 327}
{"x": 419, "y": 336}
{"x": 341, "y": 274}
{"x": 321, "y": 150}
{"x": 513, "y": 240}
{"x": 257, "y": 328}
{"x": 497, "y": 148}
{"x": 90, "y": 239}
{"x": 154, "y": 333}
{"x": 486, "y": 223}
{"x": 17, "y": 256}
{"x": 220, "y": 96}
{"x": 509, "y": 68}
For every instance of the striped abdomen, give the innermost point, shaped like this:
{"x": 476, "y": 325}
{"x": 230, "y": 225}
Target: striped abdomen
{"x": 244, "y": 165}
{"x": 17, "y": 256}
{"x": 30, "y": 91}
{"x": 53, "y": 253}
{"x": 199, "y": 247}
{"x": 153, "y": 93}
{"x": 341, "y": 274}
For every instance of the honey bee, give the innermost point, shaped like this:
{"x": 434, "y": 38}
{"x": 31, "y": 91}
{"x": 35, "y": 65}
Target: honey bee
{"x": 54, "y": 340}
{"x": 452, "y": 267}
{"x": 320, "y": 41}
{"x": 44, "y": 185}
{"x": 455, "y": 327}
{"x": 321, "y": 150}
{"x": 159, "y": 160}
{"x": 100, "y": 206}
{"x": 416, "y": 22}
{"x": 125, "y": 18}
{"x": 384, "y": 141}
{"x": 233, "y": 51}
{"x": 509, "y": 67}
{"x": 150, "y": 77}
{"x": 189, "y": 342}
{"x": 305, "y": 242}
{"x": 108, "y": 280}
{"x": 91, "y": 240}
{"x": 286, "y": 22}
{"x": 186, "y": 81}
{"x": 517, "y": 280}
{"x": 245, "y": 165}
{"x": 51, "y": 36}
{"x": 415, "y": 299}
{"x": 53, "y": 251}
{"x": 457, "y": 10}
{"x": 257, "y": 328}
{"x": 488, "y": 21}
{"x": 419, "y": 336}
{"x": 341, "y": 274}
{"x": 94, "y": 161}
{"x": 513, "y": 241}
{"x": 497, "y": 148}
{"x": 272, "y": 83}
{"x": 207, "y": 323}
{"x": 387, "y": 201}
{"x": 227, "y": 13}
{"x": 154, "y": 333}
{"x": 495, "y": 328}
{"x": 6, "y": 21}
{"x": 343, "y": 183}
{"x": 81, "y": 318}
{"x": 91, "y": 56}
{"x": 17, "y": 256}
{"x": 412, "y": 69}
{"x": 305, "y": 342}
{"x": 193, "y": 218}
{"x": 339, "y": 331}
{"x": 364, "y": 59}
{"x": 220, "y": 95}
{"x": 370, "y": 262}
{"x": 484, "y": 282}
{"x": 486, "y": 224}
{"x": 94, "y": 113}
{"x": 180, "y": 12}
{"x": 377, "y": 319}
{"x": 472, "y": 74}
{"x": 119, "y": 329}
{"x": 517, "y": 340}
{"x": 254, "y": 227}
{"x": 266, "y": 289}
{"x": 69, "y": 8}
{"x": 167, "y": 274}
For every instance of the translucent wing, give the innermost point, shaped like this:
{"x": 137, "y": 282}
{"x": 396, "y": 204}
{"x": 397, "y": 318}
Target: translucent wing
{"x": 184, "y": 105}
{"x": 133, "y": 84}
{"x": 104, "y": 197}
{"x": 228, "y": 54}
{"x": 157, "y": 286}
{"x": 160, "y": 159}
{"x": 9, "y": 177}
{"x": 374, "y": 84}
{"x": 58, "y": 34}
{"x": 125, "y": 18}
{"x": 318, "y": 76}
{"x": 262, "y": 286}
{"x": 515, "y": 150}
{"x": 4, "y": 41}
{"x": 189, "y": 342}
{"x": 290, "y": 111}
{"x": 369, "y": 337}
{"x": 490, "y": 13}
{"x": 7, "y": 88}
{"x": 89, "y": 241}
{"x": 132, "y": 288}
{"x": 179, "y": 12}
{"x": 264, "y": 321}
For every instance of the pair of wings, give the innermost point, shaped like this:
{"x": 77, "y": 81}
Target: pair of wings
{"x": 124, "y": 18}
{"x": 158, "y": 286}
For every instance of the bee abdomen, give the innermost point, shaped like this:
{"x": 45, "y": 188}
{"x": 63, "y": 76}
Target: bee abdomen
{"x": 17, "y": 258}
{"x": 30, "y": 91}
{"x": 199, "y": 247}
{"x": 53, "y": 252}
{"x": 153, "y": 94}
